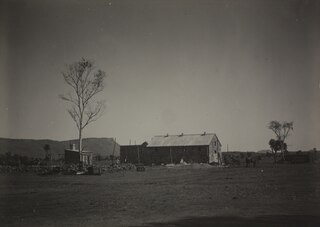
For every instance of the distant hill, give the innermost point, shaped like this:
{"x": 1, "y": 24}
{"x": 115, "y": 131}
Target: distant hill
{"x": 34, "y": 148}
{"x": 264, "y": 151}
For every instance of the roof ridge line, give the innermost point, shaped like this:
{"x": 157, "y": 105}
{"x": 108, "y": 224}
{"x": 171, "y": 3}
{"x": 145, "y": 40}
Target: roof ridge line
{"x": 198, "y": 134}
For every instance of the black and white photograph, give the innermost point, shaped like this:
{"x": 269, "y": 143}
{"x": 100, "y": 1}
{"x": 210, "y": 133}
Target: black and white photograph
{"x": 153, "y": 113}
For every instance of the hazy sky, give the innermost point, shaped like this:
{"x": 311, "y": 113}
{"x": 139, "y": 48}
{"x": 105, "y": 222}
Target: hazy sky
{"x": 227, "y": 67}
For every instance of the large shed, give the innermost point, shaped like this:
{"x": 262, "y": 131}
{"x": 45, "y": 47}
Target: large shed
{"x": 190, "y": 148}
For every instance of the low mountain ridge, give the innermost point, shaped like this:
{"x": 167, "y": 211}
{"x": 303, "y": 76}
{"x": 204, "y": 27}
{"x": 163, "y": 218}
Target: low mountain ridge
{"x": 35, "y": 148}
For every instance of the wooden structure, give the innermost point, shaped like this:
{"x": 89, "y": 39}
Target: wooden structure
{"x": 133, "y": 153}
{"x": 189, "y": 148}
{"x": 71, "y": 156}
{"x": 166, "y": 149}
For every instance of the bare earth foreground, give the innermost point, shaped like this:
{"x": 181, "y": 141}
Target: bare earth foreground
{"x": 196, "y": 195}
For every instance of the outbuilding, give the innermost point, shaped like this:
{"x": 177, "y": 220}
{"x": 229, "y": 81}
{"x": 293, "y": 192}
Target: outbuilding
{"x": 71, "y": 156}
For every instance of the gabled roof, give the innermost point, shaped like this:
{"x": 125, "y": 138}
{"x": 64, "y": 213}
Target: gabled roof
{"x": 182, "y": 140}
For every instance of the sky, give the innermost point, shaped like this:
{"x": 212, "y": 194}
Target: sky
{"x": 226, "y": 67}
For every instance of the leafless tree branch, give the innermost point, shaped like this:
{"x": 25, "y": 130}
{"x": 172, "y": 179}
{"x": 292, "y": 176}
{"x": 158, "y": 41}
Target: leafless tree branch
{"x": 86, "y": 84}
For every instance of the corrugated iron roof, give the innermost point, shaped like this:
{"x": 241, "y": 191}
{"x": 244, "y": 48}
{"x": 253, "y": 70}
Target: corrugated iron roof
{"x": 182, "y": 140}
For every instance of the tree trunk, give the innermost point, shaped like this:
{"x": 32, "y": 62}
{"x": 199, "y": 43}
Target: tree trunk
{"x": 80, "y": 148}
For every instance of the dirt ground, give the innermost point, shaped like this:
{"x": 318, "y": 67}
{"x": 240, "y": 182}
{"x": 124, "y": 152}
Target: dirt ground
{"x": 195, "y": 195}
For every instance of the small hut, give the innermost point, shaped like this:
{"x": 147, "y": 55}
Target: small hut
{"x": 71, "y": 156}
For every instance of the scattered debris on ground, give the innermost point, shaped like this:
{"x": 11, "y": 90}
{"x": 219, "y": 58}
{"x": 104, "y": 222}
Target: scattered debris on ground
{"x": 71, "y": 169}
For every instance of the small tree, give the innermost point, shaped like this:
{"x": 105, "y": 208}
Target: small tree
{"x": 274, "y": 149}
{"x": 46, "y": 148}
{"x": 48, "y": 156}
{"x": 275, "y": 146}
{"x": 282, "y": 132}
{"x": 85, "y": 84}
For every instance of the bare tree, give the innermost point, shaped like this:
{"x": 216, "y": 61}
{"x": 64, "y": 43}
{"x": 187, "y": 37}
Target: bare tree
{"x": 282, "y": 132}
{"x": 86, "y": 83}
